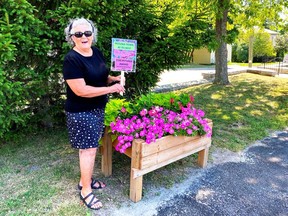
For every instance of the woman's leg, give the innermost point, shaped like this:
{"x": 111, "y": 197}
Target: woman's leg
{"x": 87, "y": 161}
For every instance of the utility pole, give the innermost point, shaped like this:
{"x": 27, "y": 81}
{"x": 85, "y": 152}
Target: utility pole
{"x": 250, "y": 55}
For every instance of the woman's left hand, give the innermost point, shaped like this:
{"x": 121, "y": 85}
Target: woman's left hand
{"x": 117, "y": 79}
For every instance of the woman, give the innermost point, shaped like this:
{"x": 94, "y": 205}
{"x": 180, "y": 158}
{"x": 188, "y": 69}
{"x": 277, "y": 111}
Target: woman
{"x": 86, "y": 76}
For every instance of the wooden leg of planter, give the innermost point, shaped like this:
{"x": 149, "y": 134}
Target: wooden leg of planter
{"x": 203, "y": 157}
{"x": 136, "y": 183}
{"x": 107, "y": 154}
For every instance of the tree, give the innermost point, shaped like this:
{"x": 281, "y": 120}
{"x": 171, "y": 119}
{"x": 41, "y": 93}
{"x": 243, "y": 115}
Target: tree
{"x": 261, "y": 14}
{"x": 203, "y": 34}
{"x": 263, "y": 45}
{"x": 281, "y": 46}
{"x": 221, "y": 70}
{"x": 246, "y": 13}
{"x": 23, "y": 48}
{"x": 242, "y": 52}
{"x": 193, "y": 21}
{"x": 159, "y": 48}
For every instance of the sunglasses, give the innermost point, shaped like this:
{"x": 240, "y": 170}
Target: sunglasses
{"x": 80, "y": 34}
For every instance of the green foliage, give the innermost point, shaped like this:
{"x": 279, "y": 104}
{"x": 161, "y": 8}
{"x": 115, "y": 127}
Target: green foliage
{"x": 241, "y": 53}
{"x": 281, "y": 46}
{"x": 194, "y": 21}
{"x": 32, "y": 49}
{"x": 126, "y": 109}
{"x": 23, "y": 49}
{"x": 113, "y": 108}
{"x": 157, "y": 47}
{"x": 263, "y": 45}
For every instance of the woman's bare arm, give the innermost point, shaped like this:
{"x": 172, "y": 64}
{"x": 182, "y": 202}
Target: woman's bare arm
{"x": 79, "y": 87}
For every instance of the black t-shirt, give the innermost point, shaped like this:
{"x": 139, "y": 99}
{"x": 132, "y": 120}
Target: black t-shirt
{"x": 95, "y": 73}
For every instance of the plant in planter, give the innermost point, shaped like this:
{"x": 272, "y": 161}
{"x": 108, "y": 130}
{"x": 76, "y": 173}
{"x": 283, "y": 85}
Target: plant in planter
{"x": 160, "y": 128}
{"x": 153, "y": 116}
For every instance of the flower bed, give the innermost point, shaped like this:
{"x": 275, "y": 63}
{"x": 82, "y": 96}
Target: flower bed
{"x": 154, "y": 116}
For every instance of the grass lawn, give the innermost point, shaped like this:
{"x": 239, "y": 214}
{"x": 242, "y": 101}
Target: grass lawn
{"x": 39, "y": 172}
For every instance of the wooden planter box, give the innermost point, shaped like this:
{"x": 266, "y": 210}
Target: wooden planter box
{"x": 148, "y": 157}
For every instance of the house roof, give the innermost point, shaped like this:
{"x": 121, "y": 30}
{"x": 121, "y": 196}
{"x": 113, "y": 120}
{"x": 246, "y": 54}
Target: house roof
{"x": 270, "y": 31}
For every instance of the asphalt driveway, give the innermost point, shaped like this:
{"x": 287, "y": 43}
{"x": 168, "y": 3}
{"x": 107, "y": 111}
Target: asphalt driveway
{"x": 256, "y": 186}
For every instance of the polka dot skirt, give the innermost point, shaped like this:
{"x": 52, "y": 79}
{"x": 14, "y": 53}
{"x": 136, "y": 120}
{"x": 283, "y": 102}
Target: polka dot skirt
{"x": 85, "y": 128}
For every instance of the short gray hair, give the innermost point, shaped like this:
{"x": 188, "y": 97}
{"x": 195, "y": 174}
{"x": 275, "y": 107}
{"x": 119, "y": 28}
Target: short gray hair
{"x": 79, "y": 21}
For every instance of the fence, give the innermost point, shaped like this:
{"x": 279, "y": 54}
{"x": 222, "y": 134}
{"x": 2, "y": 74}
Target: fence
{"x": 275, "y": 64}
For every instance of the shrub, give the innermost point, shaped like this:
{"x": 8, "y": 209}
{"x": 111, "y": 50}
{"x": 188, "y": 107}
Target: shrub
{"x": 242, "y": 53}
{"x": 22, "y": 73}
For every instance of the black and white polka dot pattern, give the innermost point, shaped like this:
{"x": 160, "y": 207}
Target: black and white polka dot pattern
{"x": 85, "y": 128}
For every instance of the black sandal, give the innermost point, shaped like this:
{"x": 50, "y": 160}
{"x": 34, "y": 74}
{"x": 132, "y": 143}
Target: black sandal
{"x": 92, "y": 202}
{"x": 93, "y": 182}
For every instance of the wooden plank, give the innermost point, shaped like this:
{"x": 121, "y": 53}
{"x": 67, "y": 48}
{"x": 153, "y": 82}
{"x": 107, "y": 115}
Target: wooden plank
{"x": 203, "y": 157}
{"x": 100, "y": 150}
{"x": 165, "y": 143}
{"x": 168, "y": 142}
{"x": 136, "y": 185}
{"x": 136, "y": 153}
{"x": 106, "y": 150}
{"x": 140, "y": 172}
{"x": 159, "y": 157}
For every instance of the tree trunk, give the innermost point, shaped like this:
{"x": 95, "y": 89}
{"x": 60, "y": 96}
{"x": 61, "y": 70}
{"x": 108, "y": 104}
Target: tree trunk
{"x": 221, "y": 74}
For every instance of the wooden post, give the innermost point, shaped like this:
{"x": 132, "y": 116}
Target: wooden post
{"x": 203, "y": 157}
{"x": 106, "y": 164}
{"x": 136, "y": 183}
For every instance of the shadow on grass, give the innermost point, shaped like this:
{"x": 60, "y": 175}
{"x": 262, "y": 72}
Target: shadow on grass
{"x": 245, "y": 110}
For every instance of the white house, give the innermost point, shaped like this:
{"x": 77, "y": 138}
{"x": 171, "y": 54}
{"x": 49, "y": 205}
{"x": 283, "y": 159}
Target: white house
{"x": 273, "y": 35}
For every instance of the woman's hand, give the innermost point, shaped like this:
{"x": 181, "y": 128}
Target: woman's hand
{"x": 117, "y": 88}
{"x": 116, "y": 79}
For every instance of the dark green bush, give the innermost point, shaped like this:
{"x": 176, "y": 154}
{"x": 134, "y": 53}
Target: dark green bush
{"x": 23, "y": 74}
{"x": 242, "y": 53}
